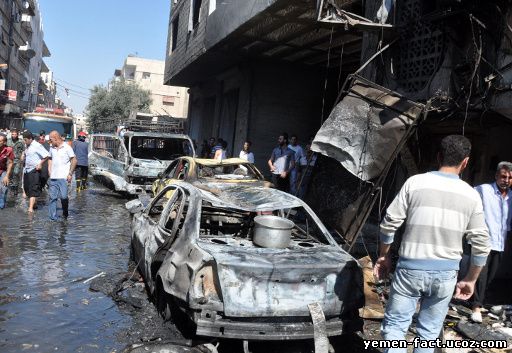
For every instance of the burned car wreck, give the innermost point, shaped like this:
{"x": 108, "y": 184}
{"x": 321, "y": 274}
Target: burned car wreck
{"x": 198, "y": 255}
{"x": 130, "y": 164}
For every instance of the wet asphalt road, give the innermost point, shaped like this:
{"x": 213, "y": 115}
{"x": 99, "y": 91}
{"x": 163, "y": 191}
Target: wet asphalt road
{"x": 44, "y": 304}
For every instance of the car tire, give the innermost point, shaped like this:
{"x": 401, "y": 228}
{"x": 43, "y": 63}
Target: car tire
{"x": 181, "y": 319}
{"x": 169, "y": 309}
{"x": 163, "y": 301}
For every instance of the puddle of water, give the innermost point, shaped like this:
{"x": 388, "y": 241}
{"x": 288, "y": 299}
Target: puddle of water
{"x": 44, "y": 305}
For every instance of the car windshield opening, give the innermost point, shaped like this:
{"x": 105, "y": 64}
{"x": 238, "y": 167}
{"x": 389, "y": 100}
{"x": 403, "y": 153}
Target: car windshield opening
{"x": 146, "y": 147}
{"x": 225, "y": 222}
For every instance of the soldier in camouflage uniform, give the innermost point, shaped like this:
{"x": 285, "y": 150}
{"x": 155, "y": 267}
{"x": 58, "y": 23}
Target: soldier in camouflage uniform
{"x": 18, "y": 147}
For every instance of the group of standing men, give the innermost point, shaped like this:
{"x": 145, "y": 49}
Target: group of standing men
{"x": 442, "y": 213}
{"x": 290, "y": 165}
{"x": 30, "y": 157}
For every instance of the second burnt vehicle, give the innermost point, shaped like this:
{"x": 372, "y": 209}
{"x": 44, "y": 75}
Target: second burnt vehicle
{"x": 203, "y": 170}
{"x": 130, "y": 163}
{"x": 205, "y": 258}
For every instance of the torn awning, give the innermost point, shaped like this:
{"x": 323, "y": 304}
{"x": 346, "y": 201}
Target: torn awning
{"x": 365, "y": 127}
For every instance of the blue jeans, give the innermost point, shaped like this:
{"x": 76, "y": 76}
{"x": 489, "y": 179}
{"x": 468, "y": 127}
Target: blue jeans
{"x": 3, "y": 191}
{"x": 293, "y": 181}
{"x": 434, "y": 290}
{"x": 58, "y": 189}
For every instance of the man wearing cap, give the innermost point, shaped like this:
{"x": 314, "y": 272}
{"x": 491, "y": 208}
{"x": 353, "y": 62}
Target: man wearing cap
{"x": 61, "y": 166}
{"x": 81, "y": 149}
{"x": 497, "y": 202}
{"x": 35, "y": 156}
{"x": 6, "y": 162}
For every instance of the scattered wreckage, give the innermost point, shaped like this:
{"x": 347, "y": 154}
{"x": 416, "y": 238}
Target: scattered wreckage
{"x": 199, "y": 170}
{"x": 197, "y": 254}
{"x": 130, "y": 164}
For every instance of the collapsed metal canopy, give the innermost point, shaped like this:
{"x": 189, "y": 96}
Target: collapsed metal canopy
{"x": 366, "y": 127}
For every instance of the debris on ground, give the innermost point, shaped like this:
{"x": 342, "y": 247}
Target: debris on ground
{"x": 148, "y": 327}
{"x": 497, "y": 320}
{"x": 478, "y": 332}
{"x": 373, "y": 308}
{"x": 93, "y": 277}
{"x": 166, "y": 347}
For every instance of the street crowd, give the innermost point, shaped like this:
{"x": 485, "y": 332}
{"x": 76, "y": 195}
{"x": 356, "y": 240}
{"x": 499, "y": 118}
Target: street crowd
{"x": 291, "y": 165}
{"x": 32, "y": 164}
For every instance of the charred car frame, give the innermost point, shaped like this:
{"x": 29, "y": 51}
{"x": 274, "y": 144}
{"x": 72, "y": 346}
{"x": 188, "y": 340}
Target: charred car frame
{"x": 130, "y": 164}
{"x": 196, "y": 254}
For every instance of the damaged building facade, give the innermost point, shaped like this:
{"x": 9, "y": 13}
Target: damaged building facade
{"x": 453, "y": 57}
{"x": 258, "y": 68}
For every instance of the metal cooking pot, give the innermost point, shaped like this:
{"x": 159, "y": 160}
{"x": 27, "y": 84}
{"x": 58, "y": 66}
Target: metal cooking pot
{"x": 272, "y": 231}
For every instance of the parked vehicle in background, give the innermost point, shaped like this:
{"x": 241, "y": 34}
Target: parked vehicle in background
{"x": 204, "y": 171}
{"x": 198, "y": 255}
{"x": 131, "y": 163}
{"x": 36, "y": 122}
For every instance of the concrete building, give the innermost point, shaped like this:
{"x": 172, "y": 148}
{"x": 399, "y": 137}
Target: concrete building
{"x": 149, "y": 74}
{"x": 257, "y": 68}
{"x": 21, "y": 55}
{"x": 80, "y": 122}
{"x": 47, "y": 90}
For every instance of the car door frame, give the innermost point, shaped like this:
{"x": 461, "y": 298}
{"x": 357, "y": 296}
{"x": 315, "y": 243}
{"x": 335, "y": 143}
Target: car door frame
{"x": 159, "y": 229}
{"x": 99, "y": 163}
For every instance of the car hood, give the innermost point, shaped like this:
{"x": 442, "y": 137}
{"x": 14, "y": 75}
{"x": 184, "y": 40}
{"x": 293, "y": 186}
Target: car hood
{"x": 282, "y": 282}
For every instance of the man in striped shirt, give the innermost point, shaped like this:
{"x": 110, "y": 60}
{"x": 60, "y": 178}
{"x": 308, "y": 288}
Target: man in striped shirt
{"x": 438, "y": 209}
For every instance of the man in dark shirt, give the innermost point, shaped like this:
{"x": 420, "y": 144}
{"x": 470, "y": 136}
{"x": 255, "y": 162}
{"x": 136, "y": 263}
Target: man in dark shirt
{"x": 81, "y": 149}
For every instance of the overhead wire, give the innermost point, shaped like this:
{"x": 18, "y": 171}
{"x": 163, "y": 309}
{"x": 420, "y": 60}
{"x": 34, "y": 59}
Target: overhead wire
{"x": 341, "y": 65}
{"x": 326, "y": 75}
{"x": 72, "y": 90}
{"x": 74, "y": 93}
{"x": 71, "y": 84}
{"x": 477, "y": 64}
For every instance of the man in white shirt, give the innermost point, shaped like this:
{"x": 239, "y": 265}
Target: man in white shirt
{"x": 35, "y": 156}
{"x": 295, "y": 172}
{"x": 497, "y": 204}
{"x": 61, "y": 166}
{"x": 246, "y": 153}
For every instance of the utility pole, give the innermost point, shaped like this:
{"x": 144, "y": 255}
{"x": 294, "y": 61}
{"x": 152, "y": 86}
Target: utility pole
{"x": 30, "y": 95}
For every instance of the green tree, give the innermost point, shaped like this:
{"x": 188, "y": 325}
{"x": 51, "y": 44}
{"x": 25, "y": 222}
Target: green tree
{"x": 116, "y": 102}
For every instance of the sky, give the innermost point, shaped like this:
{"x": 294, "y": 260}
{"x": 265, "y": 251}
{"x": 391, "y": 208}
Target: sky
{"x": 89, "y": 39}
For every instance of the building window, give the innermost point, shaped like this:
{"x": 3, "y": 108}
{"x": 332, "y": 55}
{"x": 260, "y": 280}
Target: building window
{"x": 195, "y": 12}
{"x": 168, "y": 101}
{"x": 174, "y": 33}
{"x": 146, "y": 75}
{"x": 213, "y": 6}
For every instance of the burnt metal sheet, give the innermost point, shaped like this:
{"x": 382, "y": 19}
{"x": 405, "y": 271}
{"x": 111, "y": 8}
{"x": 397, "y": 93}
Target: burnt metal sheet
{"x": 332, "y": 11}
{"x": 366, "y": 127}
{"x": 318, "y": 317}
{"x": 268, "y": 330}
{"x": 268, "y": 282}
{"x": 253, "y": 199}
